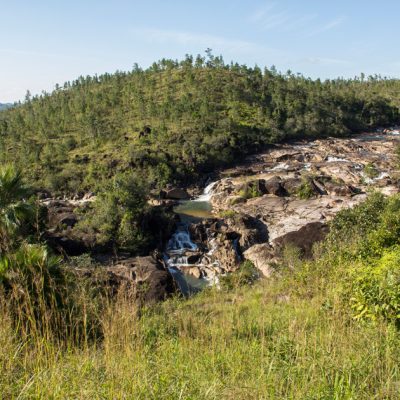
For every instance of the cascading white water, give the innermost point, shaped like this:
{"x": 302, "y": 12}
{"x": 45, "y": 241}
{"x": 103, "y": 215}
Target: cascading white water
{"x": 180, "y": 246}
{"x": 281, "y": 166}
{"x": 369, "y": 180}
{"x": 180, "y": 241}
{"x": 336, "y": 159}
{"x": 206, "y": 196}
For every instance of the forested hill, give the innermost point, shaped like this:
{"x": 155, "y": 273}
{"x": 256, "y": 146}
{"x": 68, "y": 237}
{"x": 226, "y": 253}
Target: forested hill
{"x": 177, "y": 119}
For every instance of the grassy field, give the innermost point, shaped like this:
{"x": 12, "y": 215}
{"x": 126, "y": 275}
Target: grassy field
{"x": 326, "y": 328}
{"x": 260, "y": 342}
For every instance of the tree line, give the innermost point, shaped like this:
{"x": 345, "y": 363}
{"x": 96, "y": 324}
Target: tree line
{"x": 178, "y": 119}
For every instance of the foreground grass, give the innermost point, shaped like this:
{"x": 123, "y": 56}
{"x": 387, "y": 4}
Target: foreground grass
{"x": 258, "y": 342}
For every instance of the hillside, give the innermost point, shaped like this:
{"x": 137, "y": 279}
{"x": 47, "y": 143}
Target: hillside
{"x": 177, "y": 120}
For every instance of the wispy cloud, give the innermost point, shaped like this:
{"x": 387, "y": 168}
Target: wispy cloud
{"x": 272, "y": 16}
{"x": 261, "y": 13}
{"x": 299, "y": 22}
{"x": 269, "y": 17}
{"x": 200, "y": 39}
{"x": 324, "y": 61}
{"x": 327, "y": 26}
{"x": 276, "y": 20}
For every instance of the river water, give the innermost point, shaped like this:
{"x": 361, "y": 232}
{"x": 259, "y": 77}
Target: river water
{"x": 181, "y": 247}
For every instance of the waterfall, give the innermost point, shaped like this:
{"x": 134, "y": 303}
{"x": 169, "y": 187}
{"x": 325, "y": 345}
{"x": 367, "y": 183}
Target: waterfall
{"x": 180, "y": 246}
{"x": 206, "y": 196}
{"x": 180, "y": 241}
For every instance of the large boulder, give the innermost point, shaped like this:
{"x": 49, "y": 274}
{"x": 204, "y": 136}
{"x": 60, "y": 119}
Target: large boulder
{"x": 176, "y": 194}
{"x": 146, "y": 279}
{"x": 304, "y": 238}
{"x": 60, "y": 234}
{"x": 60, "y": 214}
{"x": 274, "y": 186}
{"x": 66, "y": 243}
{"x": 262, "y": 256}
{"x": 341, "y": 190}
{"x": 227, "y": 255}
{"x": 251, "y": 230}
{"x": 292, "y": 185}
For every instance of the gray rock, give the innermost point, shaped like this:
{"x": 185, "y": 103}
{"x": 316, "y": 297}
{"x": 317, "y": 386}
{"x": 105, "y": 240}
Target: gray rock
{"x": 176, "y": 194}
{"x": 262, "y": 256}
{"x": 304, "y": 238}
{"x": 145, "y": 279}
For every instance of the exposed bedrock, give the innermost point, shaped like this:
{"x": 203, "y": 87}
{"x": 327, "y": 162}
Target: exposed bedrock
{"x": 294, "y": 190}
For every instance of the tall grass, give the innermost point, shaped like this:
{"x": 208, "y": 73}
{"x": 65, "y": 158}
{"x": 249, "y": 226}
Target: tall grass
{"x": 290, "y": 337}
{"x": 260, "y": 342}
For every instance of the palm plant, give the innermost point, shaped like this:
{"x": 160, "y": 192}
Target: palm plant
{"x": 14, "y": 210}
{"x": 32, "y": 281}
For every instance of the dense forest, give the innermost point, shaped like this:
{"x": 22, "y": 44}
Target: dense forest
{"x": 175, "y": 120}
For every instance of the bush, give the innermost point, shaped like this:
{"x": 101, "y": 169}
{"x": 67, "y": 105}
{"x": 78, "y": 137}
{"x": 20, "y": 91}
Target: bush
{"x": 350, "y": 227}
{"x": 30, "y": 278}
{"x": 306, "y": 190}
{"x": 247, "y": 274}
{"x": 116, "y": 216}
{"x": 386, "y": 233}
{"x": 227, "y": 214}
{"x": 375, "y": 288}
{"x": 250, "y": 191}
{"x": 370, "y": 171}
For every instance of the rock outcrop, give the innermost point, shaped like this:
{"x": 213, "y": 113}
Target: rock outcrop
{"x": 145, "y": 279}
{"x": 296, "y": 189}
{"x": 304, "y": 238}
{"x": 176, "y": 194}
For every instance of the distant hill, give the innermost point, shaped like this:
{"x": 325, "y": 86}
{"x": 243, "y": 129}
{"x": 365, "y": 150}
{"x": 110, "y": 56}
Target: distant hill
{"x": 4, "y": 106}
{"x": 177, "y": 120}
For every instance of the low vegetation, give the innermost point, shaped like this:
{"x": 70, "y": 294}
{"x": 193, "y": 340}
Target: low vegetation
{"x": 321, "y": 328}
{"x": 306, "y": 189}
{"x": 370, "y": 171}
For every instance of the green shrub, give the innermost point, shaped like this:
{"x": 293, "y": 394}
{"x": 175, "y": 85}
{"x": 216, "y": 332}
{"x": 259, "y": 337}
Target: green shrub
{"x": 370, "y": 171}
{"x": 306, "y": 190}
{"x": 31, "y": 278}
{"x": 350, "y": 228}
{"x": 247, "y": 274}
{"x": 375, "y": 288}
{"x": 250, "y": 191}
{"x": 16, "y": 214}
{"x": 116, "y": 216}
{"x": 227, "y": 213}
{"x": 386, "y": 232}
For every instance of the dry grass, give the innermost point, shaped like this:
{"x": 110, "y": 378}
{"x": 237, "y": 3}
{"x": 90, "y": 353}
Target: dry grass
{"x": 258, "y": 342}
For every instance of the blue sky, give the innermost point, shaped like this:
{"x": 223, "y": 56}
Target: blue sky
{"x": 46, "y": 42}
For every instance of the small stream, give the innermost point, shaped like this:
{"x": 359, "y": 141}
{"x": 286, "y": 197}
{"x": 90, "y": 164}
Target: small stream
{"x": 181, "y": 252}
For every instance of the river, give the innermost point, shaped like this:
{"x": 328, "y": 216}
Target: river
{"x": 181, "y": 252}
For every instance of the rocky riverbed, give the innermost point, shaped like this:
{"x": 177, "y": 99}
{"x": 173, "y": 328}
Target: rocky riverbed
{"x": 285, "y": 196}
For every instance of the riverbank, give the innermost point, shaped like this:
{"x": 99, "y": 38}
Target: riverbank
{"x": 280, "y": 198}
{"x": 283, "y": 197}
